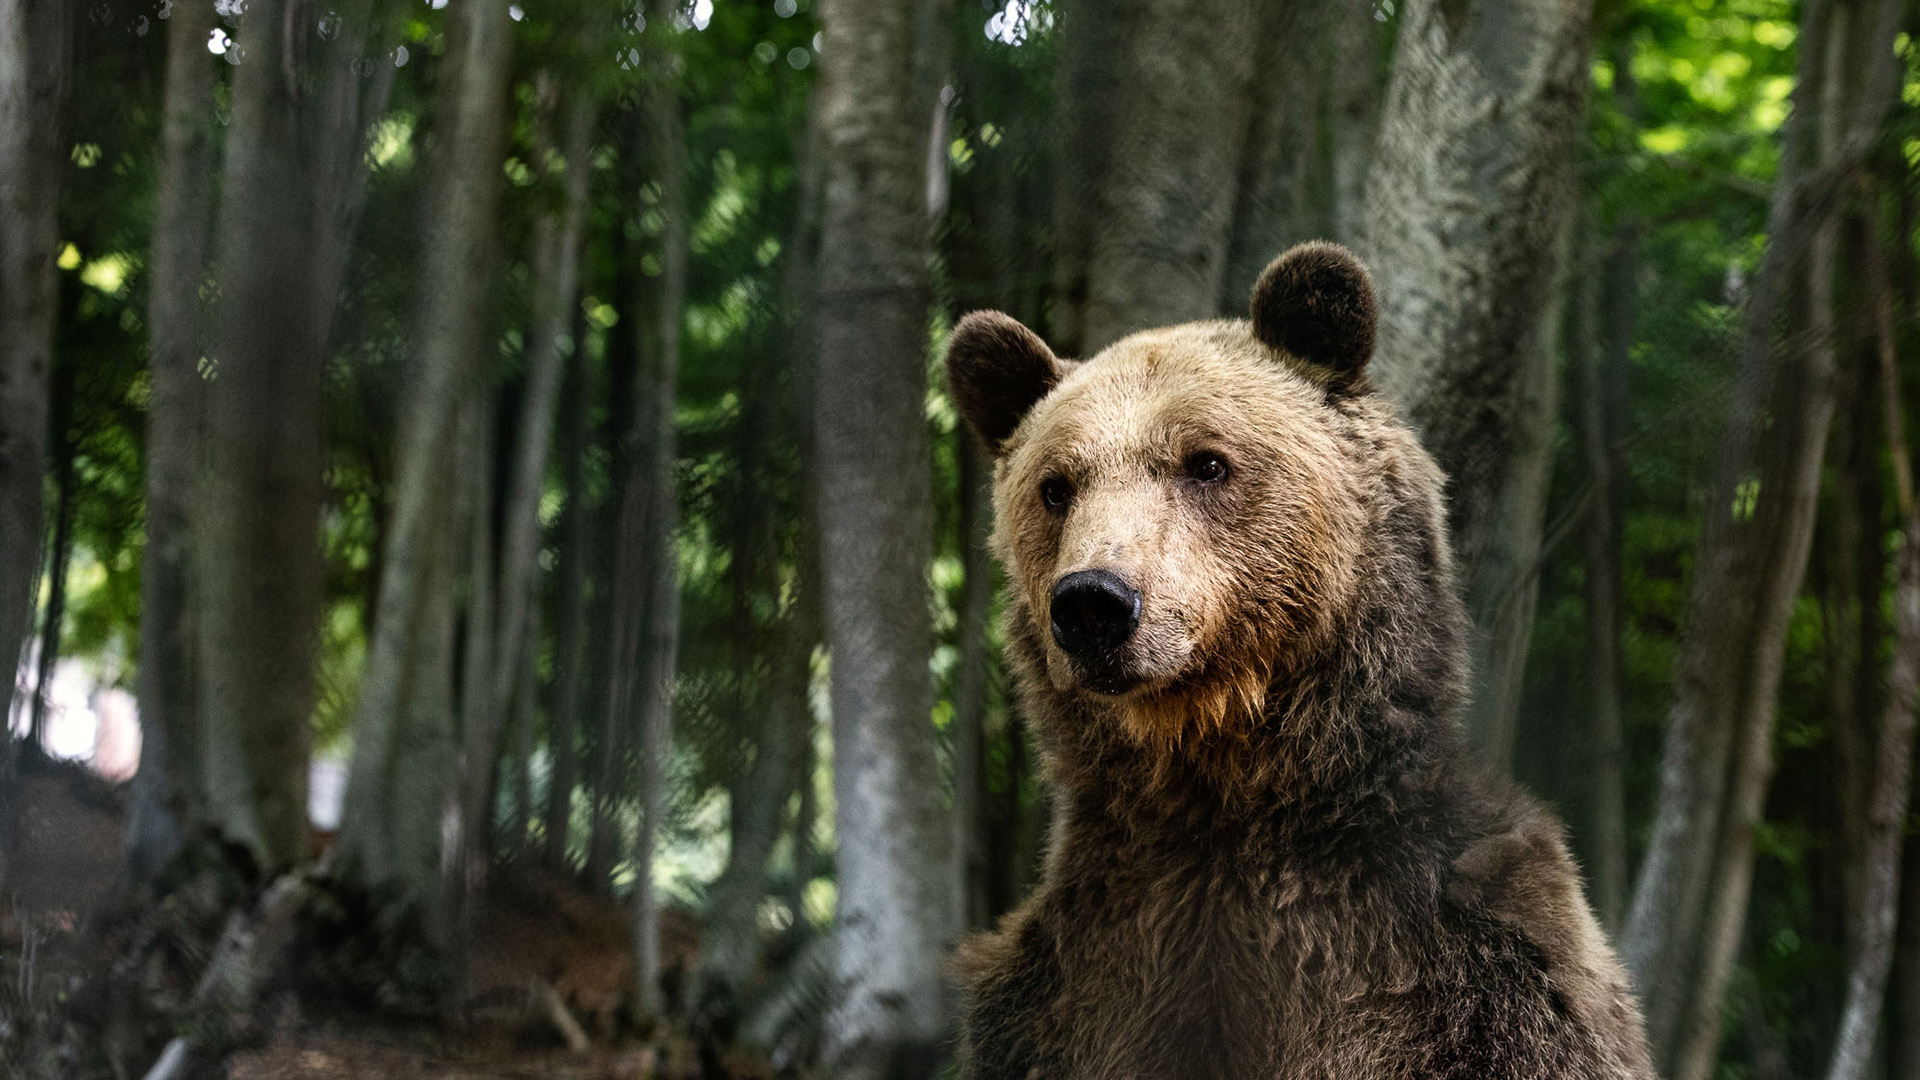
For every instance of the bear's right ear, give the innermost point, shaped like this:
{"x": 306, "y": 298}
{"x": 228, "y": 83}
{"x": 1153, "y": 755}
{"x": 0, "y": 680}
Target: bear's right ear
{"x": 998, "y": 369}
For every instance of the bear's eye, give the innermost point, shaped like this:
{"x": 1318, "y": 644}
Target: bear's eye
{"x": 1207, "y": 467}
{"x": 1056, "y": 492}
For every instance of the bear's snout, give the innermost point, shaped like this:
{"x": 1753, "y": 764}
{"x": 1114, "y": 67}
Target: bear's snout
{"x": 1093, "y": 612}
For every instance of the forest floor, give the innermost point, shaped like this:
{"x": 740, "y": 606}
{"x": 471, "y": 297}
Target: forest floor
{"x": 60, "y": 949}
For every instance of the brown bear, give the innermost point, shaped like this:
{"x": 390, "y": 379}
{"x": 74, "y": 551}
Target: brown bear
{"x": 1232, "y": 615}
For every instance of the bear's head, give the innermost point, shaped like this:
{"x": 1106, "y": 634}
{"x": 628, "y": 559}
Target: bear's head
{"x": 1202, "y": 519}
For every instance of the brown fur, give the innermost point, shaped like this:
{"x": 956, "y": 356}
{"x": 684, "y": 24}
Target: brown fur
{"x": 1267, "y": 858}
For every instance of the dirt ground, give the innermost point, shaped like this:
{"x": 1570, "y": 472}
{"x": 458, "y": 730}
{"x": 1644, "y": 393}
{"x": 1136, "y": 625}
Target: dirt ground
{"x": 66, "y": 875}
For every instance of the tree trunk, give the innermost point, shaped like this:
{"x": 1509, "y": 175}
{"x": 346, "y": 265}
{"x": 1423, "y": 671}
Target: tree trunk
{"x": 1601, "y": 551}
{"x": 1285, "y": 184}
{"x": 390, "y": 827}
{"x": 1468, "y": 206}
{"x": 889, "y": 1013}
{"x": 576, "y": 530}
{"x": 260, "y": 567}
{"x": 1153, "y": 104}
{"x": 36, "y": 76}
{"x": 465, "y": 854}
{"x": 556, "y": 264}
{"x": 1684, "y": 925}
{"x": 660, "y": 644}
{"x": 1359, "y": 82}
{"x": 59, "y": 558}
{"x": 166, "y": 796}
{"x": 1888, "y": 793}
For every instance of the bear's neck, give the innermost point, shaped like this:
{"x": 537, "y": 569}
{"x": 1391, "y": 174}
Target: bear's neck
{"x": 1361, "y": 733}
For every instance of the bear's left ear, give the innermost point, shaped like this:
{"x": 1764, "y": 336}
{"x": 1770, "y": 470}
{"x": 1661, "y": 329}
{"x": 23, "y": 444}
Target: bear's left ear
{"x": 998, "y": 369}
{"x": 1316, "y": 302}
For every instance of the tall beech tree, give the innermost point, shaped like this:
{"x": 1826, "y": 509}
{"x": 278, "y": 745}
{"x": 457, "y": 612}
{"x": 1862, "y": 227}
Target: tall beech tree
{"x": 166, "y": 787}
{"x": 36, "y": 61}
{"x": 397, "y": 787}
{"x": 894, "y": 916}
{"x": 1149, "y": 132}
{"x": 1685, "y": 923}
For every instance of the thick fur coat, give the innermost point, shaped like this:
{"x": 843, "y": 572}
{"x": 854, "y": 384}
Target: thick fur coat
{"x": 1268, "y": 857}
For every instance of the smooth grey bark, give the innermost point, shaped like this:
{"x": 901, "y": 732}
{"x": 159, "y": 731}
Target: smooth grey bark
{"x": 556, "y": 263}
{"x": 259, "y": 555}
{"x": 36, "y": 61}
{"x": 465, "y": 828}
{"x": 390, "y": 825}
{"x": 1468, "y": 212}
{"x": 1600, "y": 549}
{"x": 1153, "y": 101}
{"x": 1359, "y": 79}
{"x": 1889, "y": 789}
{"x": 166, "y": 789}
{"x": 889, "y": 1008}
{"x": 289, "y": 198}
{"x": 1285, "y": 184}
{"x": 1684, "y": 924}
{"x": 660, "y": 644}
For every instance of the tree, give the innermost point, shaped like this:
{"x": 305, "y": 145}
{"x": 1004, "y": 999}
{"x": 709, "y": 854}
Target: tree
{"x": 556, "y": 243}
{"x": 259, "y": 560}
{"x": 1467, "y": 204}
{"x": 1684, "y": 925}
{"x": 167, "y": 786}
{"x": 894, "y": 917}
{"x": 35, "y": 79}
{"x": 1153, "y": 103}
{"x": 1886, "y": 801}
{"x": 652, "y": 487}
{"x": 397, "y": 785}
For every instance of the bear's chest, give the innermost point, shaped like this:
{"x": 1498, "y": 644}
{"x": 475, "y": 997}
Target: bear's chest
{"x": 1205, "y": 973}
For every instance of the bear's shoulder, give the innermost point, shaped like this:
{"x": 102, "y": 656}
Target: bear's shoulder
{"x": 1520, "y": 875}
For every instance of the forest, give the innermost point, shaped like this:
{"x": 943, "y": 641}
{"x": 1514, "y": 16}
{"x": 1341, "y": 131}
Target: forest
{"x": 501, "y": 587}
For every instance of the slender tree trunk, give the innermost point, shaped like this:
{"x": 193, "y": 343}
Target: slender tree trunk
{"x": 570, "y": 633}
{"x": 889, "y": 1012}
{"x": 1685, "y": 921}
{"x": 730, "y": 945}
{"x": 166, "y": 797}
{"x": 465, "y": 832}
{"x": 1468, "y": 206}
{"x": 59, "y": 558}
{"x": 1154, "y": 100}
{"x": 556, "y": 259}
{"x": 36, "y": 77}
{"x": 1601, "y": 550}
{"x": 660, "y": 646}
{"x": 390, "y": 828}
{"x": 1887, "y": 800}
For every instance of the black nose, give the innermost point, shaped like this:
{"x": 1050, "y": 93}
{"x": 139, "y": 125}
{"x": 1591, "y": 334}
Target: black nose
{"x": 1093, "y": 612}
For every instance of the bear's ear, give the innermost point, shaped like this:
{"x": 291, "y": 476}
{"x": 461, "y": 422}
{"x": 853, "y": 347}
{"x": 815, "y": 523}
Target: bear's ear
{"x": 1316, "y": 302}
{"x": 997, "y": 369}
